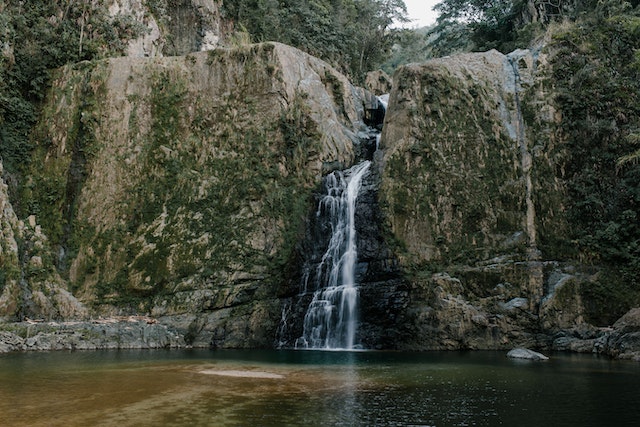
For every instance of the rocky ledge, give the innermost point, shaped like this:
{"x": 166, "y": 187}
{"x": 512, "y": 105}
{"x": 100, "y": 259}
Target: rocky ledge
{"x": 621, "y": 341}
{"x": 525, "y": 353}
{"x": 134, "y": 332}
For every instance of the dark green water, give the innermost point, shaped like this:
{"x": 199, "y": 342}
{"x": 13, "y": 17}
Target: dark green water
{"x": 309, "y": 388}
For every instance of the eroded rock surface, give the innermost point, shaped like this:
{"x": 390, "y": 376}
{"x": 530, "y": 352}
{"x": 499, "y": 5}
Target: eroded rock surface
{"x": 475, "y": 207}
{"x": 185, "y": 182}
{"x": 30, "y": 285}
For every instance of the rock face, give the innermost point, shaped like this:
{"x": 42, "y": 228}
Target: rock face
{"x": 30, "y": 286}
{"x": 382, "y": 290}
{"x": 624, "y": 340}
{"x": 458, "y": 159}
{"x": 184, "y": 182}
{"x": 378, "y": 82}
{"x": 171, "y": 28}
{"x": 129, "y": 333}
{"x": 474, "y": 205}
{"x": 181, "y": 187}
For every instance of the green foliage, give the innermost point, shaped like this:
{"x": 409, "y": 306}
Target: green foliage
{"x": 479, "y": 25}
{"x": 606, "y": 299}
{"x": 56, "y": 180}
{"x": 506, "y": 25}
{"x": 38, "y": 36}
{"x": 418, "y": 45}
{"x": 9, "y": 269}
{"x": 464, "y": 26}
{"x": 354, "y": 35}
{"x": 596, "y": 75}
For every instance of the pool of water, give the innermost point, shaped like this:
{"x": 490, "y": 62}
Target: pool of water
{"x": 314, "y": 388}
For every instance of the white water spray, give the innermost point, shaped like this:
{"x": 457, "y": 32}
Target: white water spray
{"x": 332, "y": 316}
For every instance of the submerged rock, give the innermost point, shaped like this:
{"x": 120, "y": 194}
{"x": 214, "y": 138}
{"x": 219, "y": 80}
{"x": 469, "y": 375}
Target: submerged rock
{"x": 524, "y": 353}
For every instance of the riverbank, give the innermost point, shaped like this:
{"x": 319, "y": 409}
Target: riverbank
{"x": 132, "y": 332}
{"x": 621, "y": 341}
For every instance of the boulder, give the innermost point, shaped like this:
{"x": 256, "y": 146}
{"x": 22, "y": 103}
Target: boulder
{"x": 524, "y": 353}
{"x": 378, "y": 82}
{"x": 624, "y": 340}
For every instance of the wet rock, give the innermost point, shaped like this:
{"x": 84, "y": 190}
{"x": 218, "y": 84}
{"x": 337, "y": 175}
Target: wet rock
{"x": 99, "y": 334}
{"x": 10, "y": 342}
{"x": 515, "y": 303}
{"x": 624, "y": 340}
{"x": 524, "y": 353}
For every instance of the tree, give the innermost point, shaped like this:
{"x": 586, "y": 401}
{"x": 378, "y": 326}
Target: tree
{"x": 353, "y": 35}
{"x": 473, "y": 11}
{"x": 491, "y": 24}
{"x": 36, "y": 37}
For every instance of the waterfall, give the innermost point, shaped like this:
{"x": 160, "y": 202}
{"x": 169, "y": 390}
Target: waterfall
{"x": 384, "y": 101}
{"x": 331, "y": 319}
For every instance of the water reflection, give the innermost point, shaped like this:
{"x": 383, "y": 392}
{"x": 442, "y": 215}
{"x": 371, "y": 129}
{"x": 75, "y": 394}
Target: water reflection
{"x": 275, "y": 388}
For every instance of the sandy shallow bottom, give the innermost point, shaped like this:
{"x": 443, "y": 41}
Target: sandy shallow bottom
{"x": 242, "y": 374}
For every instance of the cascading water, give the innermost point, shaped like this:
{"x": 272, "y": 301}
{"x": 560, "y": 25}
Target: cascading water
{"x": 324, "y": 311}
{"x": 332, "y": 316}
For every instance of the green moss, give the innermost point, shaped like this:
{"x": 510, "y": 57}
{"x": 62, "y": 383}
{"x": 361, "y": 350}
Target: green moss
{"x": 336, "y": 88}
{"x": 460, "y": 170}
{"x": 9, "y": 270}
{"x": 216, "y": 185}
{"x": 607, "y": 299}
{"x": 207, "y": 186}
{"x": 57, "y": 176}
{"x": 25, "y": 331}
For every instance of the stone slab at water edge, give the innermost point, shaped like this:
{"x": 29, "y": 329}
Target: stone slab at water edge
{"x": 133, "y": 332}
{"x": 525, "y": 353}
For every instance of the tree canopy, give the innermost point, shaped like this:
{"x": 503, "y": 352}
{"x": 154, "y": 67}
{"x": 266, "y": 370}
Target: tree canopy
{"x": 353, "y": 35}
{"x": 509, "y": 24}
{"x": 36, "y": 37}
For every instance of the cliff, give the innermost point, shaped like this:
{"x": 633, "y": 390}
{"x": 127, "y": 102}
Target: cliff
{"x": 182, "y": 188}
{"x": 30, "y": 286}
{"x": 179, "y": 186}
{"x": 476, "y": 193}
{"x": 171, "y": 28}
